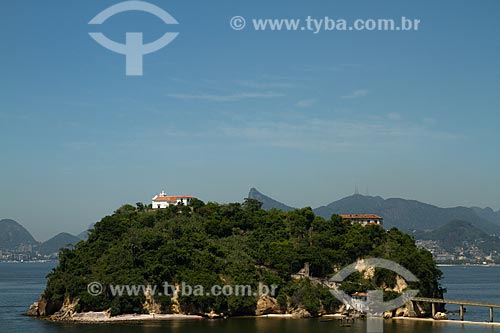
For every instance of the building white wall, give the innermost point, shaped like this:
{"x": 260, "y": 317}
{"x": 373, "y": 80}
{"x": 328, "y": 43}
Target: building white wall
{"x": 159, "y": 204}
{"x": 366, "y": 221}
{"x": 165, "y": 204}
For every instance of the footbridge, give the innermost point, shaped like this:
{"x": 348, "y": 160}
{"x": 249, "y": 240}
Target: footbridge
{"x": 462, "y": 305}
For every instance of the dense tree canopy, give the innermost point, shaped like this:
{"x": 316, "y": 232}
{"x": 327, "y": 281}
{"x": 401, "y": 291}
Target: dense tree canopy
{"x": 213, "y": 244}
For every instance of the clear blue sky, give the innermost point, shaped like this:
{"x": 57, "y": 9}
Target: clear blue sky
{"x": 303, "y": 117}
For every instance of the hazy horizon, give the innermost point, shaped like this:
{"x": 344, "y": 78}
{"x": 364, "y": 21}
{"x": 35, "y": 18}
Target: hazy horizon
{"x": 304, "y": 117}
{"x": 44, "y": 234}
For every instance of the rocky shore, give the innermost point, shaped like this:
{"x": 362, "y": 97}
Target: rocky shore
{"x": 266, "y": 307}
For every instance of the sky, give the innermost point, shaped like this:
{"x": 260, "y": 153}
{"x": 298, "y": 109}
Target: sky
{"x": 303, "y": 117}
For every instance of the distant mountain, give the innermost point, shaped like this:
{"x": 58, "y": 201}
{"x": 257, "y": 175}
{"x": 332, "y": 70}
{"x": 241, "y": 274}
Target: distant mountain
{"x": 12, "y": 234}
{"x": 406, "y": 215}
{"x": 84, "y": 234}
{"x": 355, "y": 204}
{"x": 488, "y": 214}
{"x": 267, "y": 202}
{"x": 462, "y": 234}
{"x": 58, "y": 242}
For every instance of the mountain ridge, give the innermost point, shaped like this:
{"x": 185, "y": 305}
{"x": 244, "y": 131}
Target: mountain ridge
{"x": 59, "y": 241}
{"x": 406, "y": 214}
{"x": 84, "y": 234}
{"x": 461, "y": 234}
{"x": 15, "y": 237}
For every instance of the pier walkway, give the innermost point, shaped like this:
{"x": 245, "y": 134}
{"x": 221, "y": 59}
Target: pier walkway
{"x": 462, "y": 305}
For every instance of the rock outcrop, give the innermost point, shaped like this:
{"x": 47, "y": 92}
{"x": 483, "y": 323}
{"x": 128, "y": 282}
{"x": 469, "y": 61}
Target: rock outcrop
{"x": 214, "y": 315}
{"x": 301, "y": 313}
{"x": 267, "y": 305}
{"x": 67, "y": 311}
{"x": 43, "y": 308}
{"x": 440, "y": 316}
{"x": 150, "y": 305}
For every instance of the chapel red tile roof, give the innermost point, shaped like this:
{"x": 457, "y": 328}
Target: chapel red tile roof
{"x": 172, "y": 198}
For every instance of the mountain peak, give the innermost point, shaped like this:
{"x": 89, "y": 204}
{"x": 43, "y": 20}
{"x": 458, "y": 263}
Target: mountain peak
{"x": 407, "y": 215}
{"x": 58, "y": 242}
{"x": 12, "y": 234}
{"x": 458, "y": 233}
{"x": 253, "y": 191}
{"x": 267, "y": 202}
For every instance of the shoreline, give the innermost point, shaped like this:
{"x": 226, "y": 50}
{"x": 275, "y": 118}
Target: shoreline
{"x": 467, "y": 265}
{"x": 29, "y": 261}
{"x": 103, "y": 317}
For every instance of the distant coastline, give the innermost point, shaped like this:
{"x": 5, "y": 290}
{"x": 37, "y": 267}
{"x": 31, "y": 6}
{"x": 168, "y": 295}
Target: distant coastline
{"x": 28, "y": 261}
{"x": 468, "y": 265}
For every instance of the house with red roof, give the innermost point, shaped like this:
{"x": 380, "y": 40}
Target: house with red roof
{"x": 363, "y": 219}
{"x": 163, "y": 200}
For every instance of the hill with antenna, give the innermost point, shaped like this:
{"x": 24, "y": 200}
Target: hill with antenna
{"x": 407, "y": 215}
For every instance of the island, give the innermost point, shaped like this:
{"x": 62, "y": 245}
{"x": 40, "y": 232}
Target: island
{"x": 140, "y": 262}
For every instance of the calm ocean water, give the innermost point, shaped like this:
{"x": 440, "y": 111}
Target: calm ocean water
{"x": 21, "y": 284}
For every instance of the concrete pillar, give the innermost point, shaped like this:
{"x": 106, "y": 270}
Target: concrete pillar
{"x": 491, "y": 314}
{"x": 433, "y": 311}
{"x": 461, "y": 312}
{"x": 412, "y": 312}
